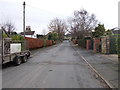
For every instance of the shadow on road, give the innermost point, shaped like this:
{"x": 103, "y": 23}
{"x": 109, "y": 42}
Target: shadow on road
{"x": 7, "y": 65}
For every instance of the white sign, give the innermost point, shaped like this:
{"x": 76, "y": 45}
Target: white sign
{"x": 15, "y": 47}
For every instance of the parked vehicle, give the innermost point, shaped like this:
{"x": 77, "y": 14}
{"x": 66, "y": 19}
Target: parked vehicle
{"x": 13, "y": 51}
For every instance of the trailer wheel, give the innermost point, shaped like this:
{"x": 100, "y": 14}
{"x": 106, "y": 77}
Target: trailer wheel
{"x": 17, "y": 60}
{"x": 24, "y": 59}
{"x": 28, "y": 54}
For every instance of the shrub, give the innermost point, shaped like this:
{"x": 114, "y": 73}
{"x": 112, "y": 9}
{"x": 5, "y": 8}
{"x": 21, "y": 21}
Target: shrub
{"x": 18, "y": 38}
{"x": 118, "y": 46}
{"x": 5, "y": 36}
{"x": 113, "y": 44}
{"x": 45, "y": 42}
{"x": 82, "y": 42}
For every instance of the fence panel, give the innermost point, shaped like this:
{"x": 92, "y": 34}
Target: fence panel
{"x": 105, "y": 44}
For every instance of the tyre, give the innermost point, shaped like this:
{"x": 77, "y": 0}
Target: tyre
{"x": 28, "y": 54}
{"x": 24, "y": 59}
{"x": 17, "y": 60}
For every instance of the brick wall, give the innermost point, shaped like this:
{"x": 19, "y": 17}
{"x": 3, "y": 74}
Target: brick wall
{"x": 88, "y": 44}
{"x": 96, "y": 44}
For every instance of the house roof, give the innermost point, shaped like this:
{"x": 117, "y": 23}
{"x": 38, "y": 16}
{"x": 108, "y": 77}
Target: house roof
{"x": 28, "y": 33}
{"x": 116, "y": 30}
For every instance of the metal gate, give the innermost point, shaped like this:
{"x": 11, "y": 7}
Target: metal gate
{"x": 6, "y": 44}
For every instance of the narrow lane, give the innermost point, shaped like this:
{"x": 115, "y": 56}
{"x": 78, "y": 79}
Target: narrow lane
{"x": 57, "y": 67}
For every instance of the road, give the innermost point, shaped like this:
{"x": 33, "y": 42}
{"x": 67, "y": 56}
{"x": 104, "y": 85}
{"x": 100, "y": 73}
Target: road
{"x": 58, "y": 66}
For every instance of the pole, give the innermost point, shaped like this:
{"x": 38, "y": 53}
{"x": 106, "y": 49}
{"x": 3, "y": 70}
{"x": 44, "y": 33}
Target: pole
{"x": 2, "y": 46}
{"x": 24, "y": 18}
{"x": 24, "y": 24}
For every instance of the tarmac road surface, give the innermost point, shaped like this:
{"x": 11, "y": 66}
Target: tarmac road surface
{"x": 58, "y": 66}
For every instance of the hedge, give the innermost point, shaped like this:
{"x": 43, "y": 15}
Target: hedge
{"x": 113, "y": 44}
{"x": 118, "y": 44}
{"x": 82, "y": 42}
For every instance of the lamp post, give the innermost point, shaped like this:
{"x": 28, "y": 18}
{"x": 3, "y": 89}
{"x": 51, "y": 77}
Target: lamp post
{"x": 24, "y": 18}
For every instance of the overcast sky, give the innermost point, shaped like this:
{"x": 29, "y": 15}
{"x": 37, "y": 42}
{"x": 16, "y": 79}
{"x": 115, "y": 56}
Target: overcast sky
{"x": 40, "y": 12}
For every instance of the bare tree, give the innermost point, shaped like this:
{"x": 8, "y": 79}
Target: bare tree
{"x": 82, "y": 23}
{"x": 9, "y": 27}
{"x": 59, "y": 26}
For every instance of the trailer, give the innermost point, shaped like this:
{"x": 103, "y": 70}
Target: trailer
{"x": 13, "y": 51}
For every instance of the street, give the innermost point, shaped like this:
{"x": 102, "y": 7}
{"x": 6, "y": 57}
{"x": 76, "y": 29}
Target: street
{"x": 59, "y": 66}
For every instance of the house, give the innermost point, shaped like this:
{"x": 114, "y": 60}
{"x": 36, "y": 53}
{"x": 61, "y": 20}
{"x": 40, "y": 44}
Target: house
{"x": 28, "y": 32}
{"x": 67, "y": 36}
{"x": 116, "y": 30}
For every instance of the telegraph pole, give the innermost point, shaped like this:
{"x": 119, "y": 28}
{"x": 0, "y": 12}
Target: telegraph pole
{"x": 24, "y": 18}
{"x": 24, "y": 23}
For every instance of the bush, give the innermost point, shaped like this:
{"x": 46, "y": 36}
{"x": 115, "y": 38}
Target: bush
{"x": 44, "y": 43}
{"x": 15, "y": 37}
{"x": 53, "y": 36}
{"x": 5, "y": 36}
{"x": 113, "y": 44}
{"x": 18, "y": 38}
{"x": 82, "y": 42}
{"x": 118, "y": 46}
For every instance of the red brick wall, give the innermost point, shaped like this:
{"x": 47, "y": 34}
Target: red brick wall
{"x": 96, "y": 44}
{"x": 34, "y": 43}
{"x": 88, "y": 43}
{"x": 75, "y": 41}
{"x": 48, "y": 42}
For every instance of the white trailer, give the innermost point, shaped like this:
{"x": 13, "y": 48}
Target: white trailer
{"x": 13, "y": 51}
